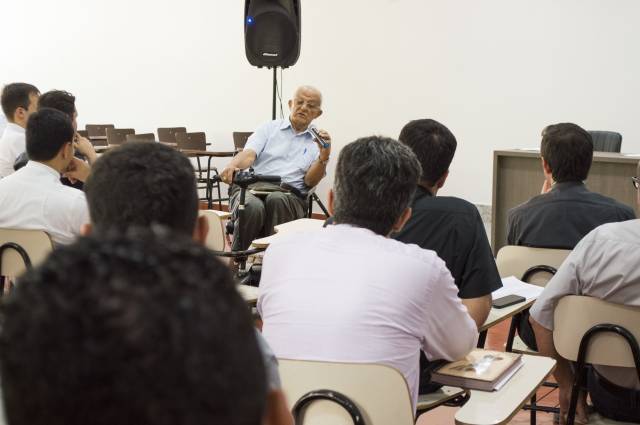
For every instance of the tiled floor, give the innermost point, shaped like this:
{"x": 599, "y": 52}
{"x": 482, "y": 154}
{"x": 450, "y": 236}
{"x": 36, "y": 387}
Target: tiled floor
{"x": 546, "y": 396}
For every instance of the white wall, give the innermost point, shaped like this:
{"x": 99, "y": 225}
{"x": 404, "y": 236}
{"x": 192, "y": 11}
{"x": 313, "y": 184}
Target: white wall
{"x": 494, "y": 71}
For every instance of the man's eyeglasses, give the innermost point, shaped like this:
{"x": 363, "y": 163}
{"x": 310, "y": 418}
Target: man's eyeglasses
{"x": 636, "y": 182}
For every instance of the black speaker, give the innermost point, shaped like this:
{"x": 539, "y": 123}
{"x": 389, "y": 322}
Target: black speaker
{"x": 272, "y": 32}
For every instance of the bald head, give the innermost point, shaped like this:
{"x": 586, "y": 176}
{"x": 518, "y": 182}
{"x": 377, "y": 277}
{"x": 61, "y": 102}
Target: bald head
{"x": 305, "y": 106}
{"x": 309, "y": 91}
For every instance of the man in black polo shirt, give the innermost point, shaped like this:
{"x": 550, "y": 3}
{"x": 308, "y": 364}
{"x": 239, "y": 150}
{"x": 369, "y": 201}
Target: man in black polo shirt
{"x": 450, "y": 226}
{"x": 566, "y": 210}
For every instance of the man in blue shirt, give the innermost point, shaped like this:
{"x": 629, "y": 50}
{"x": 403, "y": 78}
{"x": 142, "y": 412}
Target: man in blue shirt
{"x": 284, "y": 148}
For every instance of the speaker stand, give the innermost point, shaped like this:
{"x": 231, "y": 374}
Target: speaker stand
{"x": 275, "y": 88}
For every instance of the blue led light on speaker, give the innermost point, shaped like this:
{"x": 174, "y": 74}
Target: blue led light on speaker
{"x": 250, "y": 20}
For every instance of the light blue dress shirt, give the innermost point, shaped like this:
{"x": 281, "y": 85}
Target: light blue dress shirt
{"x": 282, "y": 152}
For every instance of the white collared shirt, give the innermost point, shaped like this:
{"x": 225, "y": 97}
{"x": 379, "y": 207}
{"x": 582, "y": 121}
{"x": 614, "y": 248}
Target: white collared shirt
{"x": 282, "y": 152}
{"x": 12, "y": 144}
{"x": 603, "y": 265}
{"x": 343, "y": 293}
{"x": 34, "y": 198}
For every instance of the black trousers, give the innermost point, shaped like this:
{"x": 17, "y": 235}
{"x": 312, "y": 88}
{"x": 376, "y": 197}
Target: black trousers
{"x": 261, "y": 215}
{"x": 612, "y": 401}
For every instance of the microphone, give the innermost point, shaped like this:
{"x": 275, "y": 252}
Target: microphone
{"x": 314, "y": 132}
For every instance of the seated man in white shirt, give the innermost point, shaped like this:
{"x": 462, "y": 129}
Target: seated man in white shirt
{"x": 348, "y": 292}
{"x": 33, "y": 197}
{"x": 285, "y": 148}
{"x": 19, "y": 101}
{"x": 604, "y": 265}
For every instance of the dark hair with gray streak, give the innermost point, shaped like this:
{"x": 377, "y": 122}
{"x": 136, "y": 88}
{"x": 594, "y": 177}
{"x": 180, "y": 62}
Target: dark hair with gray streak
{"x": 376, "y": 178}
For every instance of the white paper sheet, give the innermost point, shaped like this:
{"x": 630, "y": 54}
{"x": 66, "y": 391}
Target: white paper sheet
{"x": 514, "y": 286}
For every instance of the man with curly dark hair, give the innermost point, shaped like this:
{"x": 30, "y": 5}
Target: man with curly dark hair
{"x": 144, "y": 184}
{"x": 130, "y": 337}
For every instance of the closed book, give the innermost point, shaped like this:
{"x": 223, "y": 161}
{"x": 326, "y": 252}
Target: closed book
{"x": 483, "y": 370}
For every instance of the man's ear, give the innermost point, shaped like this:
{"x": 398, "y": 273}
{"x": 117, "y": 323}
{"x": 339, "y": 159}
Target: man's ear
{"x": 330, "y": 201}
{"x": 290, "y": 103}
{"x": 402, "y": 220}
{"x": 86, "y": 229}
{"x": 545, "y": 166}
{"x": 442, "y": 180}
{"x": 201, "y": 230}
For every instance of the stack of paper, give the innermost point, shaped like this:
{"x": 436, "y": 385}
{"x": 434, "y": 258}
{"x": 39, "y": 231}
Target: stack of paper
{"x": 514, "y": 286}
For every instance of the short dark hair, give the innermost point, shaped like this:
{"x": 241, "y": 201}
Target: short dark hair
{"x": 47, "y": 132}
{"x": 147, "y": 329}
{"x": 142, "y": 183}
{"x": 375, "y": 180}
{"x": 58, "y": 99}
{"x": 433, "y": 144}
{"x": 568, "y": 149}
{"x": 14, "y": 96}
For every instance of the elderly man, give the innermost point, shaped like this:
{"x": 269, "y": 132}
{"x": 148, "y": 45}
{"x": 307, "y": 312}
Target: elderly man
{"x": 350, "y": 293}
{"x": 285, "y": 148}
{"x": 602, "y": 265}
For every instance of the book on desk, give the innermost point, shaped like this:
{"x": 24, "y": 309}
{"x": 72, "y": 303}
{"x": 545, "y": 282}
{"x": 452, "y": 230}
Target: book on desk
{"x": 483, "y": 370}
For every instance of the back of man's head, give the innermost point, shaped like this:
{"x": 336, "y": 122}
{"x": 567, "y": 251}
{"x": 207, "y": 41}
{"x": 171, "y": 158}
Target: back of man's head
{"x": 568, "y": 150}
{"x": 141, "y": 329}
{"x": 58, "y": 99}
{"x": 47, "y": 132}
{"x": 142, "y": 183}
{"x": 433, "y": 144}
{"x": 14, "y": 96}
{"x": 375, "y": 180}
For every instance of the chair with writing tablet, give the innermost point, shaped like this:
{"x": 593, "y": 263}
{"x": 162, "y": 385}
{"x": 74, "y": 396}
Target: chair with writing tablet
{"x": 118, "y": 136}
{"x": 195, "y": 145}
{"x": 140, "y": 137}
{"x": 589, "y": 330}
{"x": 22, "y": 249}
{"x": 535, "y": 266}
{"x": 97, "y": 133}
{"x": 334, "y": 393}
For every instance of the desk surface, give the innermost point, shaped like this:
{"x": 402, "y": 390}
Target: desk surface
{"x": 296, "y": 226}
{"x": 196, "y": 152}
{"x": 498, "y": 407}
{"x": 497, "y": 315}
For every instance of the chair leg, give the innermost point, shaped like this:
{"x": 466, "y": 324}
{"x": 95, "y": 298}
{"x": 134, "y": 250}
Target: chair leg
{"x": 482, "y": 338}
{"x": 515, "y": 321}
{"x": 532, "y": 413}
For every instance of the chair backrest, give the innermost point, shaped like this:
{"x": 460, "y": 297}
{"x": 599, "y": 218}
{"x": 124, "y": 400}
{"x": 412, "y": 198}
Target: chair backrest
{"x": 36, "y": 243}
{"x": 83, "y": 133}
{"x": 195, "y": 141}
{"x": 97, "y": 130}
{"x": 168, "y": 134}
{"x": 117, "y": 136}
{"x": 379, "y": 392}
{"x": 141, "y": 137}
{"x": 606, "y": 141}
{"x": 517, "y": 260}
{"x": 240, "y": 139}
{"x": 215, "y": 237}
{"x": 575, "y": 315}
